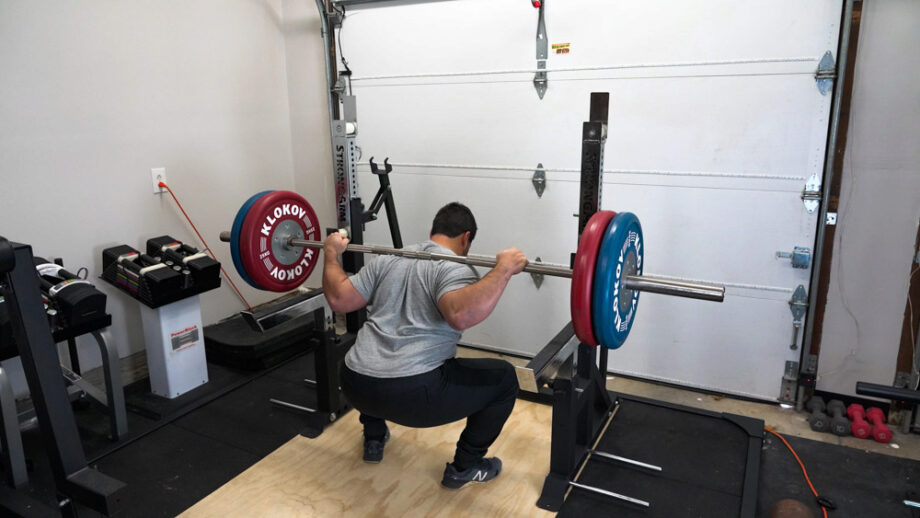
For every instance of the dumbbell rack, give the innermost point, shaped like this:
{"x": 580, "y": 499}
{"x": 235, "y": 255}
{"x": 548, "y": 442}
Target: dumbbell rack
{"x": 112, "y": 399}
{"x": 575, "y": 373}
{"x": 74, "y": 480}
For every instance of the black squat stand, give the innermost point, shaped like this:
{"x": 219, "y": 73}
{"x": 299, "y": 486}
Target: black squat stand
{"x": 584, "y": 428}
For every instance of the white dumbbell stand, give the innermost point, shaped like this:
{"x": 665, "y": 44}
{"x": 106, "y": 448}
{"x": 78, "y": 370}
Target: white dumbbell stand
{"x": 175, "y": 347}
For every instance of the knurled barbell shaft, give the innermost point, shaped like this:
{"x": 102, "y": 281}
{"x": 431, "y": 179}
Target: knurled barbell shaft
{"x": 692, "y": 290}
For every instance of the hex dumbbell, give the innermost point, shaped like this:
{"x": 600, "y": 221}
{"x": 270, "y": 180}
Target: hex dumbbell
{"x": 818, "y": 420}
{"x": 860, "y": 426}
{"x": 880, "y": 431}
{"x": 840, "y": 425}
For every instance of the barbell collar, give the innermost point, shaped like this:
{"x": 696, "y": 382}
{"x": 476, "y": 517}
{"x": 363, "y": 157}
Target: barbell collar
{"x": 692, "y": 290}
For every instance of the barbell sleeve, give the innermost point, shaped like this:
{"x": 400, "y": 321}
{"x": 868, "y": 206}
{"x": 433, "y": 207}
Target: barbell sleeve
{"x": 690, "y": 290}
{"x": 693, "y": 290}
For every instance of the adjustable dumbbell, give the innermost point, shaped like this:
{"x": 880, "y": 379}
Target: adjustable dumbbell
{"x": 860, "y": 427}
{"x": 840, "y": 425}
{"x": 818, "y": 420}
{"x": 880, "y": 431}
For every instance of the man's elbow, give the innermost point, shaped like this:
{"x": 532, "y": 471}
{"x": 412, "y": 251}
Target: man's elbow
{"x": 336, "y": 299}
{"x": 460, "y": 321}
{"x": 336, "y": 304}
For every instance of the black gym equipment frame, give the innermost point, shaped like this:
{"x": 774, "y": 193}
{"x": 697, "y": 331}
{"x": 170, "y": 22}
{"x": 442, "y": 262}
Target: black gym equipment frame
{"x": 342, "y": 105}
{"x": 328, "y": 356}
{"x": 75, "y": 481}
{"x": 582, "y": 406}
{"x": 353, "y": 262}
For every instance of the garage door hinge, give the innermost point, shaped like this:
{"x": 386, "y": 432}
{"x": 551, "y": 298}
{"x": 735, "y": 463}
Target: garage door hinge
{"x": 798, "y": 304}
{"x": 826, "y": 73}
{"x": 539, "y": 79}
{"x": 539, "y": 180}
{"x": 811, "y": 194}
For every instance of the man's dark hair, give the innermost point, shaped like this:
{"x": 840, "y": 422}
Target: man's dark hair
{"x": 454, "y": 219}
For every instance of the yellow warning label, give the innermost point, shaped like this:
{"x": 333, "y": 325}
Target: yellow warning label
{"x": 561, "y": 48}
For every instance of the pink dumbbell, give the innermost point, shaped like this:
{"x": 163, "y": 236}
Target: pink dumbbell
{"x": 880, "y": 432}
{"x": 860, "y": 427}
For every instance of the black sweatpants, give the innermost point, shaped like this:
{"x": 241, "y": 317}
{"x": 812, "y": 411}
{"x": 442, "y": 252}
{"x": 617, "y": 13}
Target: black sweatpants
{"x": 482, "y": 390}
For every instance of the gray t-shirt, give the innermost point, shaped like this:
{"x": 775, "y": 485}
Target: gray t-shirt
{"x": 405, "y": 333}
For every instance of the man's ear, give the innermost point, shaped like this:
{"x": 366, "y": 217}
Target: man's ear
{"x": 466, "y": 240}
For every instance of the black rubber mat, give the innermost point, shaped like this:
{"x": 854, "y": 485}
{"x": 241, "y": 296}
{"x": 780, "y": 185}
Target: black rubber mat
{"x": 139, "y": 400}
{"x": 179, "y": 451}
{"x": 862, "y": 484}
{"x": 246, "y": 420}
{"x": 703, "y": 456}
{"x": 93, "y": 427}
{"x": 171, "y": 469}
{"x": 704, "y": 471}
{"x": 296, "y": 370}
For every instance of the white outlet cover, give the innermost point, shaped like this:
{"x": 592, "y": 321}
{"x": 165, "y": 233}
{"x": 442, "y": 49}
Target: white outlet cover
{"x": 157, "y": 175}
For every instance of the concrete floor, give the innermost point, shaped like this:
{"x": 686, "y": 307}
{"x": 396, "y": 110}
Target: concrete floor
{"x": 786, "y": 421}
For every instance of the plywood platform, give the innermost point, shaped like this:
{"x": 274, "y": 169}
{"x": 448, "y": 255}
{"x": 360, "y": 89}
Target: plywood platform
{"x": 325, "y": 477}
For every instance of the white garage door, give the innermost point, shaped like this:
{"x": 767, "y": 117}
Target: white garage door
{"x": 716, "y": 123}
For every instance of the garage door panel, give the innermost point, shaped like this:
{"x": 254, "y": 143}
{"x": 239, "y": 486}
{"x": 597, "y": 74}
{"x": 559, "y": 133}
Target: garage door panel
{"x": 537, "y": 227}
{"x": 602, "y": 31}
{"x": 709, "y": 346}
{"x": 689, "y": 232}
{"x": 477, "y": 35}
{"x": 655, "y": 124}
{"x": 438, "y": 36}
{"x": 695, "y": 232}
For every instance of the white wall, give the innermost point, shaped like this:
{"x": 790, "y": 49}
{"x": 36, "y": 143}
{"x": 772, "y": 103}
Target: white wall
{"x": 880, "y": 203}
{"x": 95, "y": 93}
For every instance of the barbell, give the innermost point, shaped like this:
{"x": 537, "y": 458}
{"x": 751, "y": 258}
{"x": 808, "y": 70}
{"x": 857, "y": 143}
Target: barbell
{"x": 275, "y": 235}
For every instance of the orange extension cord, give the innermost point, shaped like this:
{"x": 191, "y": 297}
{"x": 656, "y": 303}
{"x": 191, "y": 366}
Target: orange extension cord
{"x": 163, "y": 185}
{"x": 794, "y": 454}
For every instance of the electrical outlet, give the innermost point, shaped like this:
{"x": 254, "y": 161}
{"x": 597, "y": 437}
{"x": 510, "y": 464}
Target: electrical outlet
{"x": 157, "y": 175}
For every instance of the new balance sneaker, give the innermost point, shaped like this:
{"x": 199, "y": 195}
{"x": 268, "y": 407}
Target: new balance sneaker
{"x": 484, "y": 471}
{"x": 373, "y": 449}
